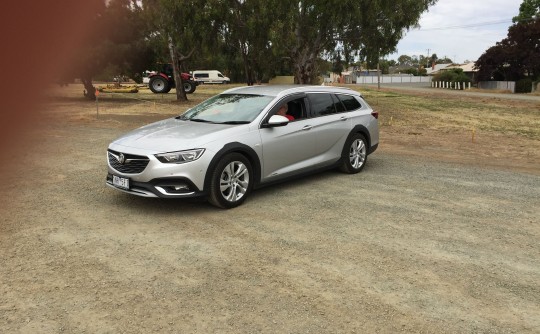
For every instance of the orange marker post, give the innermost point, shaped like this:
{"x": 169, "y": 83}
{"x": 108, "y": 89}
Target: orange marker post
{"x": 97, "y": 103}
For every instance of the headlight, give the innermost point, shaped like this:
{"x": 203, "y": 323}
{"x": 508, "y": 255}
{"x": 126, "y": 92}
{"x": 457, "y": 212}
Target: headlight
{"x": 180, "y": 157}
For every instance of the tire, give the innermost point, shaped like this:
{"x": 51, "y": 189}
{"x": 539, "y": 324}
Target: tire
{"x": 231, "y": 181}
{"x": 159, "y": 85}
{"x": 354, "y": 156}
{"x": 189, "y": 87}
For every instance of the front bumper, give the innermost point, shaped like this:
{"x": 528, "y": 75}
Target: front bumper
{"x": 148, "y": 177}
{"x": 161, "y": 187}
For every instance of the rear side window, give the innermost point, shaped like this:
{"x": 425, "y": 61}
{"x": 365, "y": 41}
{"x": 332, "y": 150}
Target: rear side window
{"x": 338, "y": 105}
{"x": 201, "y": 75}
{"x": 350, "y": 102}
{"x": 321, "y": 104}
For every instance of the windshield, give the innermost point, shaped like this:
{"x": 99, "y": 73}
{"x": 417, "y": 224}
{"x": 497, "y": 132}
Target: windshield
{"x": 228, "y": 108}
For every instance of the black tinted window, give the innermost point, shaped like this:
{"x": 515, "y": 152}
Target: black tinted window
{"x": 321, "y": 104}
{"x": 338, "y": 105}
{"x": 350, "y": 102}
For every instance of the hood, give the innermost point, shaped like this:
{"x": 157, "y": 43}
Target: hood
{"x": 175, "y": 135}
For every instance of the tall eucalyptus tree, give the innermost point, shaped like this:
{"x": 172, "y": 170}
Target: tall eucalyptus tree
{"x": 367, "y": 28}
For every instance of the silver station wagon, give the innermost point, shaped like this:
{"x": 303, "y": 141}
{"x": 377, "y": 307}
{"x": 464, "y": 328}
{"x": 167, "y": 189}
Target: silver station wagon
{"x": 243, "y": 139}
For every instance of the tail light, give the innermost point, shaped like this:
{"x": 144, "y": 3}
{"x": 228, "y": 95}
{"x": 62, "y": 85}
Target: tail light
{"x": 375, "y": 114}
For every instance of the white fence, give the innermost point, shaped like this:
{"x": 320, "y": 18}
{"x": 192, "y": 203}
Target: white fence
{"x": 451, "y": 85}
{"x": 498, "y": 85}
{"x": 392, "y": 79}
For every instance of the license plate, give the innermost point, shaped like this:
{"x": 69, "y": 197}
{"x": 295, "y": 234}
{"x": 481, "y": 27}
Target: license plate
{"x": 120, "y": 182}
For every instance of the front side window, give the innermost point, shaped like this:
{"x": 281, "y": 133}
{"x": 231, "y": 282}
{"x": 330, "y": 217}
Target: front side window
{"x": 292, "y": 109}
{"x": 321, "y": 104}
{"x": 228, "y": 108}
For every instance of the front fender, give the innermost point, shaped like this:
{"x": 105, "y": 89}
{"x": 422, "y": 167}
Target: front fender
{"x": 231, "y": 148}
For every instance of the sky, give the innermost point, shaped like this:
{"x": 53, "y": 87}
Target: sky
{"x": 459, "y": 29}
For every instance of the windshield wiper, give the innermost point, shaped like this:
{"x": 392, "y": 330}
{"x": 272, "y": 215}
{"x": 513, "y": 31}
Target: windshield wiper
{"x": 200, "y": 120}
{"x": 235, "y": 122}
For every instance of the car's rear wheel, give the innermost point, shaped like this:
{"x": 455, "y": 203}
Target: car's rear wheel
{"x": 354, "y": 156}
{"x": 231, "y": 181}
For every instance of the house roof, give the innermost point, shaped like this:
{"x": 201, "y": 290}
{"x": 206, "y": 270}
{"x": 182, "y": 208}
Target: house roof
{"x": 435, "y": 69}
{"x": 468, "y": 67}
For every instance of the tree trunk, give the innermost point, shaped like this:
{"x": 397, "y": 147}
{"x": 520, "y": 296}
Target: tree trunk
{"x": 304, "y": 56}
{"x": 247, "y": 64}
{"x": 248, "y": 70}
{"x": 180, "y": 93}
{"x": 304, "y": 69}
{"x": 89, "y": 89}
{"x": 378, "y": 75}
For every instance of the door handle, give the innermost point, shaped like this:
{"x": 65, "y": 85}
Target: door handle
{"x": 307, "y": 127}
{"x": 343, "y": 118}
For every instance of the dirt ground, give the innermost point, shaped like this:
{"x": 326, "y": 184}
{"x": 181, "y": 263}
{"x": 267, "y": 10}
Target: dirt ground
{"x": 439, "y": 234}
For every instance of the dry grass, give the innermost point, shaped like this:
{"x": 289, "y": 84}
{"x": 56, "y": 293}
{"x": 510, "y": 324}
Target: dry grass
{"x": 487, "y": 131}
{"x": 397, "y": 109}
{"x": 453, "y": 113}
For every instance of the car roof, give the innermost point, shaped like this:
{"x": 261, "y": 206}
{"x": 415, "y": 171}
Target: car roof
{"x": 281, "y": 90}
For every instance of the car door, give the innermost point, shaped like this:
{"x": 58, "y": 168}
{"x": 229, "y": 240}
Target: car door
{"x": 291, "y": 148}
{"x": 330, "y": 126}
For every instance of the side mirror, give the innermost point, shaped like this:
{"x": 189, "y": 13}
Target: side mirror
{"x": 276, "y": 120}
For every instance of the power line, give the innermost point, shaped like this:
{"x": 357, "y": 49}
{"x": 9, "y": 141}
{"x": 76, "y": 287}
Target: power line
{"x": 479, "y": 24}
{"x": 467, "y": 25}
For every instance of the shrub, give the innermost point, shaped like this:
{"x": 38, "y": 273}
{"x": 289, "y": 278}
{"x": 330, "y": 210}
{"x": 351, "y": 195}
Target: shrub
{"x": 452, "y": 75}
{"x": 524, "y": 85}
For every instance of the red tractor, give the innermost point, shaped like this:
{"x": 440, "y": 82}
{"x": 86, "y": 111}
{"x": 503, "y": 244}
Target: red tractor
{"x": 162, "y": 82}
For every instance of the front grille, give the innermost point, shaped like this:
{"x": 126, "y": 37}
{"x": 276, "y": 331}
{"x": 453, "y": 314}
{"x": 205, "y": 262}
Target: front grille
{"x": 133, "y": 164}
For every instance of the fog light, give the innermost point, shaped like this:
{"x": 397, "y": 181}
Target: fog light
{"x": 180, "y": 188}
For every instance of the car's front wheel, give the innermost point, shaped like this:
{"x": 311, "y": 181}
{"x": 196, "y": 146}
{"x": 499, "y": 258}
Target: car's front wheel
{"x": 354, "y": 154}
{"x": 231, "y": 181}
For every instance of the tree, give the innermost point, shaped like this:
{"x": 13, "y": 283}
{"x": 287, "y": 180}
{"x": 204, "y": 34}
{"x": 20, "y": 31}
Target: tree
{"x": 434, "y": 58}
{"x": 528, "y": 10}
{"x": 368, "y": 28}
{"x": 118, "y": 39}
{"x": 384, "y": 23}
{"x": 246, "y": 28}
{"x": 444, "y": 60}
{"x": 515, "y": 57}
{"x": 337, "y": 64}
{"x": 177, "y": 24}
{"x": 405, "y": 60}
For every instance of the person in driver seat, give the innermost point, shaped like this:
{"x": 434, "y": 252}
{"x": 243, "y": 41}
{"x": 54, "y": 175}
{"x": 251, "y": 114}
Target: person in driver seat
{"x": 283, "y": 111}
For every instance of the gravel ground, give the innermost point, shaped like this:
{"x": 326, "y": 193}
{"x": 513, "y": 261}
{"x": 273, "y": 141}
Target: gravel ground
{"x": 410, "y": 244}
